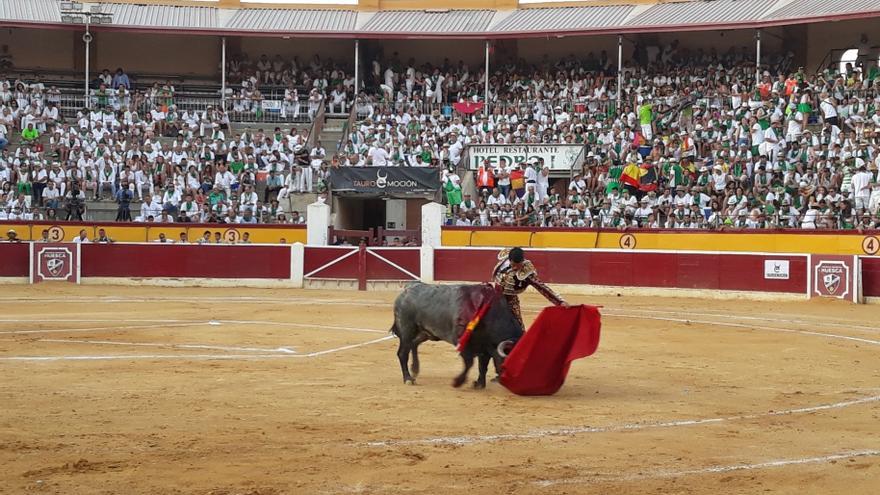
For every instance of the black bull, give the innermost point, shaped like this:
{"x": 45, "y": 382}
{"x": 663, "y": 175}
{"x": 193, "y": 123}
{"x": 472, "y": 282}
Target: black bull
{"x": 440, "y": 312}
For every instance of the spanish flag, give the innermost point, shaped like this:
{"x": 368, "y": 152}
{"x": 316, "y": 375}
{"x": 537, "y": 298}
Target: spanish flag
{"x": 642, "y": 178}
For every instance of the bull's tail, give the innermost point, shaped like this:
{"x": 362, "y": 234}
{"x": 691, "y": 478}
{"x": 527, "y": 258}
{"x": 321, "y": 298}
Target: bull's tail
{"x": 394, "y": 330}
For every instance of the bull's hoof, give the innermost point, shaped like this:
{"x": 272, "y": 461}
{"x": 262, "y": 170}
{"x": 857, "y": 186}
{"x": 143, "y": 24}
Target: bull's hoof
{"x": 410, "y": 381}
{"x": 494, "y": 380}
{"x": 458, "y": 381}
{"x": 479, "y": 385}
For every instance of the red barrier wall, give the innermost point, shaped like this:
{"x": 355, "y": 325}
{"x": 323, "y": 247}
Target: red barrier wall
{"x": 691, "y": 270}
{"x": 15, "y": 259}
{"x": 722, "y": 271}
{"x": 185, "y": 261}
{"x": 871, "y": 277}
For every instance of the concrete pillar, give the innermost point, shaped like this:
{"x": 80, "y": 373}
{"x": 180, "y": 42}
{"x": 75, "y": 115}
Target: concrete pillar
{"x": 395, "y": 212}
{"x": 426, "y": 264}
{"x": 317, "y": 223}
{"x": 433, "y": 215}
{"x": 297, "y": 257}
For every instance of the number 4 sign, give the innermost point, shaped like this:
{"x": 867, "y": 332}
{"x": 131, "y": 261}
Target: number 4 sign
{"x": 871, "y": 245}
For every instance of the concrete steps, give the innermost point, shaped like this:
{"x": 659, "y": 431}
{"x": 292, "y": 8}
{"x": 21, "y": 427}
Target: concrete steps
{"x": 300, "y": 202}
{"x": 105, "y": 211}
{"x": 331, "y": 135}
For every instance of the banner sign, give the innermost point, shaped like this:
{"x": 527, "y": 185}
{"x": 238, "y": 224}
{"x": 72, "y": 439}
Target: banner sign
{"x": 559, "y": 157}
{"x": 776, "y": 269}
{"x": 835, "y": 276}
{"x": 383, "y": 181}
{"x": 55, "y": 262}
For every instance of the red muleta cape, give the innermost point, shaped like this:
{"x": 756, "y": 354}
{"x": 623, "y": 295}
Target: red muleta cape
{"x": 540, "y": 360}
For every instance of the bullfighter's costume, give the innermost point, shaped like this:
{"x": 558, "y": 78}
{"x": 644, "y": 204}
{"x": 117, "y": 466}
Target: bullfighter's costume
{"x": 510, "y": 282}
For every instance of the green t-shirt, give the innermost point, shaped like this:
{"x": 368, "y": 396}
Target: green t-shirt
{"x": 646, "y": 114}
{"x": 30, "y": 134}
{"x": 215, "y": 197}
{"x": 613, "y": 182}
{"x": 453, "y": 194}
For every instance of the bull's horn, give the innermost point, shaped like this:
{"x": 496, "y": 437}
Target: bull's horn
{"x": 502, "y": 346}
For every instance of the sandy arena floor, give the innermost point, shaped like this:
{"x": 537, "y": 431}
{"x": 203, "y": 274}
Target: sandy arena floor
{"x": 109, "y": 390}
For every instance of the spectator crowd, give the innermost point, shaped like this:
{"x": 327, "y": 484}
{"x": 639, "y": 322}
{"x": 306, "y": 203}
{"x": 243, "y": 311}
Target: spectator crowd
{"x": 717, "y": 142}
{"x": 184, "y": 166}
{"x": 724, "y": 143}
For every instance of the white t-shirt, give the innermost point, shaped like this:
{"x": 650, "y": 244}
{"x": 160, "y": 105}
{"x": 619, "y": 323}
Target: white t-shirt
{"x": 860, "y": 183}
{"x": 828, "y": 110}
{"x": 379, "y": 156}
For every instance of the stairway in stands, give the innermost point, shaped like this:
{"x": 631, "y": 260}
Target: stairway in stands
{"x": 332, "y": 133}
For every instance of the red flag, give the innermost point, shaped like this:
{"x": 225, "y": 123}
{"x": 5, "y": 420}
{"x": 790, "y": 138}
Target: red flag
{"x": 467, "y": 107}
{"x": 539, "y": 362}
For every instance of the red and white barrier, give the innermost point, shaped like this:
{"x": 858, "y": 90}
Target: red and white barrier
{"x": 693, "y": 273}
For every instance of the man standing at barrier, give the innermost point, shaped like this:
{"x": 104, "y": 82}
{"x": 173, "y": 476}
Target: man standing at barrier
{"x": 513, "y": 274}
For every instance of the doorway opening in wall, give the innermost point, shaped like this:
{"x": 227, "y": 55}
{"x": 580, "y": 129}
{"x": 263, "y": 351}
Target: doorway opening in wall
{"x": 361, "y": 213}
{"x": 849, "y": 57}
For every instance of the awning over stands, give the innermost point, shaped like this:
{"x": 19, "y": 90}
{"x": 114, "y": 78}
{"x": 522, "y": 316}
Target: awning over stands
{"x": 292, "y": 20}
{"x": 419, "y": 21}
{"x": 564, "y": 19}
{"x": 433, "y": 24}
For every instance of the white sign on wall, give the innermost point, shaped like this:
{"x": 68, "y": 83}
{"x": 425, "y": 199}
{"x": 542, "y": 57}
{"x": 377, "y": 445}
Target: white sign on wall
{"x": 558, "y": 157}
{"x": 776, "y": 269}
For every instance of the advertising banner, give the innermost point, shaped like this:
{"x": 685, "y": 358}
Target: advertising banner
{"x": 382, "y": 181}
{"x": 835, "y": 276}
{"x": 55, "y": 262}
{"x": 559, "y": 157}
{"x": 776, "y": 269}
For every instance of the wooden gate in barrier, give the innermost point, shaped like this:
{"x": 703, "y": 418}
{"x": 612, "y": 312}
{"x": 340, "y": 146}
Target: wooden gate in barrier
{"x": 361, "y": 264}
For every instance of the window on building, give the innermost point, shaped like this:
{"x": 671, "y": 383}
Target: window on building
{"x": 849, "y": 57}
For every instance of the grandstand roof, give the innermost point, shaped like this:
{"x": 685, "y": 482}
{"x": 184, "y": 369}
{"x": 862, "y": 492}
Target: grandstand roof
{"x": 46, "y": 11}
{"x": 480, "y": 24}
{"x": 129, "y": 14}
{"x": 812, "y": 8}
{"x": 717, "y": 12}
{"x": 419, "y": 21}
{"x": 564, "y": 19}
{"x": 292, "y": 21}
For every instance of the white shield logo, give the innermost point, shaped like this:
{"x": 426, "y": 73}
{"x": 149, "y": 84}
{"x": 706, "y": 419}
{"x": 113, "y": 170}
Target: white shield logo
{"x": 832, "y": 282}
{"x": 55, "y": 266}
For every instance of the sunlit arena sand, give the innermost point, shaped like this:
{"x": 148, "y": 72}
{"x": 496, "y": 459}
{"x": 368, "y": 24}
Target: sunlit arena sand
{"x": 245, "y": 391}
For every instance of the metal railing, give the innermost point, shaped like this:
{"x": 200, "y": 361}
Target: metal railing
{"x": 714, "y": 221}
{"x": 269, "y": 109}
{"x": 317, "y": 126}
{"x": 238, "y": 110}
{"x": 347, "y": 127}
